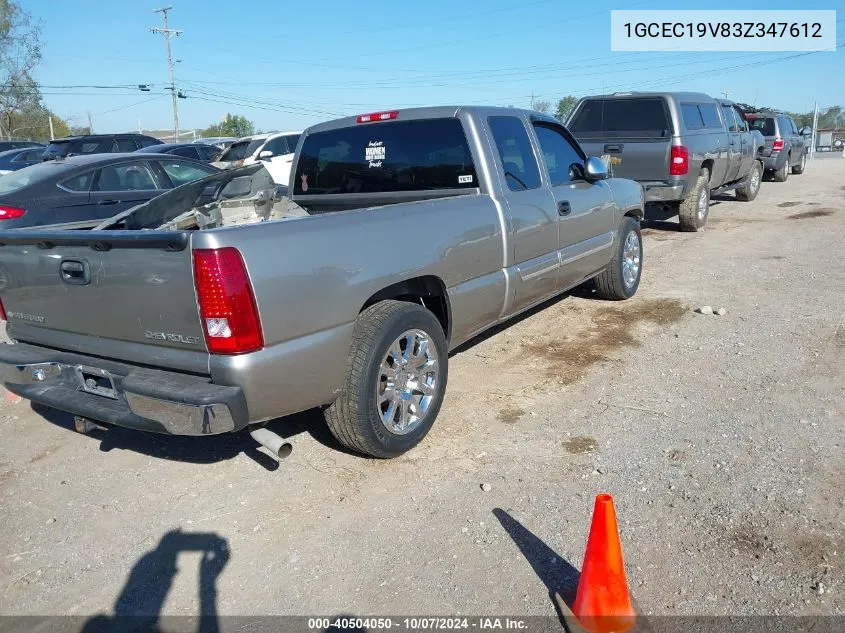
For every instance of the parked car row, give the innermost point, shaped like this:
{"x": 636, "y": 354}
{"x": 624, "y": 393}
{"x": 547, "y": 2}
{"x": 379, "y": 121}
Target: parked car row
{"x": 682, "y": 147}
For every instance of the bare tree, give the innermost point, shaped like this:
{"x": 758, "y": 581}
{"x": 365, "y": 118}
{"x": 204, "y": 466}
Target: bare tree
{"x": 542, "y": 106}
{"x": 20, "y": 53}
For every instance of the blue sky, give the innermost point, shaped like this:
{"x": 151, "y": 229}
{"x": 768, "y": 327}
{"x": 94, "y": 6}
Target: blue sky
{"x": 287, "y": 64}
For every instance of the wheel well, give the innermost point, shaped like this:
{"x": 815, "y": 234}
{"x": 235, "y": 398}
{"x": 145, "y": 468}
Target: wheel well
{"x": 708, "y": 165}
{"x": 428, "y": 291}
{"x": 635, "y": 213}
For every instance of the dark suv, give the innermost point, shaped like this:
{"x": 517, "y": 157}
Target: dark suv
{"x": 786, "y": 146}
{"x": 97, "y": 144}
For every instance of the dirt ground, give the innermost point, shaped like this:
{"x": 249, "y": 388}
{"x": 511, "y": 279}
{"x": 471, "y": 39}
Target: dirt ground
{"x": 720, "y": 437}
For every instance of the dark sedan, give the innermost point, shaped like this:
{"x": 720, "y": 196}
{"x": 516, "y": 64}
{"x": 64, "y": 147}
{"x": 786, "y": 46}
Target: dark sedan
{"x": 90, "y": 187}
{"x": 15, "y": 159}
{"x": 4, "y": 145}
{"x": 205, "y": 153}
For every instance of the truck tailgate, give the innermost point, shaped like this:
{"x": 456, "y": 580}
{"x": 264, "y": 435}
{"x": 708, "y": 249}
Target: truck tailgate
{"x": 130, "y": 296}
{"x": 644, "y": 160}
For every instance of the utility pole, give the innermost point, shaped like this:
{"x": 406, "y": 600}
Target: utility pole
{"x": 532, "y": 100}
{"x": 50, "y": 119}
{"x": 167, "y": 32}
{"x": 815, "y": 124}
{"x": 90, "y": 123}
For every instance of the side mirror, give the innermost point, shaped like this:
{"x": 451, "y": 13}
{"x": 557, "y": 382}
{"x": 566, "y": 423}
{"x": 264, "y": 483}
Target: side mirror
{"x": 265, "y": 155}
{"x": 805, "y": 131}
{"x": 595, "y": 169}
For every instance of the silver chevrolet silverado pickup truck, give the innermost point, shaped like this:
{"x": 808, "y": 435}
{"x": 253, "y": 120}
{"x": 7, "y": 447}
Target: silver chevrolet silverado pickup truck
{"x": 406, "y": 234}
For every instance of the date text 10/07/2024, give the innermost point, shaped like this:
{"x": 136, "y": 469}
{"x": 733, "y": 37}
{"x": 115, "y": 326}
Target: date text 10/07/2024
{"x": 417, "y": 624}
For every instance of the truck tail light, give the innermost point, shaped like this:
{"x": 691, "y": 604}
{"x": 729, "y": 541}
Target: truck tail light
{"x": 777, "y": 145}
{"x": 679, "y": 161}
{"x": 2, "y": 312}
{"x": 10, "y": 213}
{"x": 226, "y": 301}
{"x": 377, "y": 116}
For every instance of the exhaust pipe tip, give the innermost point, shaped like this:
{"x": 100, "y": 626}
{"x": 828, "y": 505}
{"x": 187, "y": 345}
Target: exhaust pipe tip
{"x": 273, "y": 442}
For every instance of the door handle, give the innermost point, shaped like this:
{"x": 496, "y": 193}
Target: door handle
{"x": 107, "y": 202}
{"x": 563, "y": 207}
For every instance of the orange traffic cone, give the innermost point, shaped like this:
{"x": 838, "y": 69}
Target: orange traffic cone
{"x": 603, "y": 602}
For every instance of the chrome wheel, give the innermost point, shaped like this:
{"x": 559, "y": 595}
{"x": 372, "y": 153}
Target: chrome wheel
{"x": 407, "y": 382}
{"x": 631, "y": 257}
{"x": 703, "y": 199}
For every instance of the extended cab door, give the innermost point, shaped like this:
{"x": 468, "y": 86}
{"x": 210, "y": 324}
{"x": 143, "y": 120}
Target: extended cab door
{"x": 585, "y": 209}
{"x": 533, "y": 216}
{"x": 748, "y": 151}
{"x": 734, "y": 126}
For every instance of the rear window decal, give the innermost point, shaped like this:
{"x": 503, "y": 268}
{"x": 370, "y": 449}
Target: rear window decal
{"x": 464, "y": 179}
{"x": 375, "y": 153}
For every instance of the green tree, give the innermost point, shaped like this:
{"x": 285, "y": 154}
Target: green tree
{"x": 564, "y": 107}
{"x": 20, "y": 53}
{"x": 34, "y": 124}
{"x": 231, "y": 125}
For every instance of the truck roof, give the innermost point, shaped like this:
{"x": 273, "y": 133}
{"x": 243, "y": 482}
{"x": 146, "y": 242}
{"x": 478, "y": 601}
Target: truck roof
{"x": 428, "y": 112}
{"x": 700, "y": 96}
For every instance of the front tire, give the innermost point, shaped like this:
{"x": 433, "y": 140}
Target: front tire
{"x": 395, "y": 380}
{"x": 800, "y": 167}
{"x": 622, "y": 277}
{"x": 780, "y": 175}
{"x": 693, "y": 212}
{"x": 751, "y": 188}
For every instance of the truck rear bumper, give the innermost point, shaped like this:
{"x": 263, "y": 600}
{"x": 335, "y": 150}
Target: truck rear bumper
{"x": 121, "y": 394}
{"x": 661, "y": 192}
{"x": 775, "y": 161}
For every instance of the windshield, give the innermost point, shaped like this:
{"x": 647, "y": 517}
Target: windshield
{"x": 17, "y": 180}
{"x": 241, "y": 150}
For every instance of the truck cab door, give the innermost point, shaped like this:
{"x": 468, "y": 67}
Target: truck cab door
{"x": 748, "y": 151}
{"x": 585, "y": 209}
{"x": 734, "y": 159}
{"x": 532, "y": 244}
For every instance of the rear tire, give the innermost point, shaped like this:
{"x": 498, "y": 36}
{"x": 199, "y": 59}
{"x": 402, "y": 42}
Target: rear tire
{"x": 800, "y": 167}
{"x": 693, "y": 212}
{"x": 780, "y": 175}
{"x": 622, "y": 277}
{"x": 364, "y": 416}
{"x": 751, "y": 188}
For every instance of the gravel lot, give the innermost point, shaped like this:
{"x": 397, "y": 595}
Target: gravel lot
{"x": 720, "y": 437}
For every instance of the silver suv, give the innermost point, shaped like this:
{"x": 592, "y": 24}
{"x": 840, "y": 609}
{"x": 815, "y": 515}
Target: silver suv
{"x": 786, "y": 146}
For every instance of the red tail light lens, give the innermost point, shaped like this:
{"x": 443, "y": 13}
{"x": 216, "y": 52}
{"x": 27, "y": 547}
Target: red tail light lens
{"x": 679, "y": 161}
{"x": 377, "y": 116}
{"x": 2, "y": 312}
{"x": 227, "y": 305}
{"x": 777, "y": 145}
{"x": 10, "y": 213}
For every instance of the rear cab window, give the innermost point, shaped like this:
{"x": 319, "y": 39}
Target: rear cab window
{"x": 395, "y": 156}
{"x": 635, "y": 117}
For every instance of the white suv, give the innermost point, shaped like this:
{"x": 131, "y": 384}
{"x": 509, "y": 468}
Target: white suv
{"x": 274, "y": 150}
